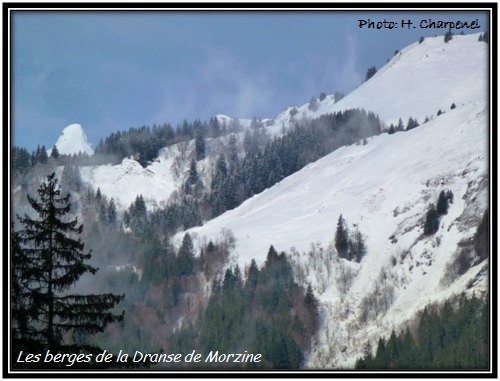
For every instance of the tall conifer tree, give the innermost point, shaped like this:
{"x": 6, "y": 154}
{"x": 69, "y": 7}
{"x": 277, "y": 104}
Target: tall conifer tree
{"x": 47, "y": 261}
{"x": 342, "y": 238}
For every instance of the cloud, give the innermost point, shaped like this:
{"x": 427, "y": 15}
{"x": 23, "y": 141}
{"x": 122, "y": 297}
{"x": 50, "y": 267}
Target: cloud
{"x": 234, "y": 86}
{"x": 219, "y": 83}
{"x": 348, "y": 77}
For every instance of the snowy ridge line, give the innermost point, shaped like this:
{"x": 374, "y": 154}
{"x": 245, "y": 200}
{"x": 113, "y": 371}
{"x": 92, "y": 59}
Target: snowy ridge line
{"x": 383, "y": 188}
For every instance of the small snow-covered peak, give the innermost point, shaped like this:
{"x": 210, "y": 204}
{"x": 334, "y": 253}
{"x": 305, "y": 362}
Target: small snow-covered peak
{"x": 221, "y": 118}
{"x": 73, "y": 140}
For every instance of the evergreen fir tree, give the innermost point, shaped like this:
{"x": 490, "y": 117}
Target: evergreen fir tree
{"x": 412, "y": 123}
{"x": 357, "y": 248}
{"x": 448, "y": 36}
{"x": 111, "y": 211}
{"x": 272, "y": 256}
{"x": 431, "y": 224}
{"x": 449, "y": 196}
{"x": 193, "y": 173}
{"x": 199, "y": 142}
{"x": 24, "y": 312}
{"x": 21, "y": 160}
{"x": 442, "y": 204}
{"x": 313, "y": 305}
{"x": 214, "y": 127}
{"x": 71, "y": 179}
{"x": 370, "y": 73}
{"x": 185, "y": 257}
{"x": 252, "y": 275}
{"x": 55, "y": 152}
{"x": 233, "y": 152}
{"x": 219, "y": 190}
{"x": 47, "y": 262}
{"x": 34, "y": 157}
{"x": 103, "y": 213}
{"x": 138, "y": 208}
{"x": 193, "y": 184}
{"x": 400, "y": 126}
{"x": 341, "y": 238}
{"x": 42, "y": 156}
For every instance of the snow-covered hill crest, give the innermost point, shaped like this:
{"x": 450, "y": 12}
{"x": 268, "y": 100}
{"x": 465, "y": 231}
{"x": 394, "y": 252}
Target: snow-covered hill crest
{"x": 417, "y": 82}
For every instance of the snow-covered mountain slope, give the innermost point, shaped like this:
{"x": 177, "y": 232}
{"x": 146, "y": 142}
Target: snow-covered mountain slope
{"x": 156, "y": 183}
{"x": 417, "y": 82}
{"x": 426, "y": 77}
{"x": 384, "y": 188}
{"x": 73, "y": 141}
{"x": 124, "y": 182}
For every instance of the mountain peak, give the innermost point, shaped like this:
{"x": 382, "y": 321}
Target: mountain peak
{"x": 73, "y": 140}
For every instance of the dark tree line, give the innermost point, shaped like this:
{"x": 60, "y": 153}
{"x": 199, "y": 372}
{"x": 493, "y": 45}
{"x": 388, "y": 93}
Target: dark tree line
{"x": 144, "y": 143}
{"x": 484, "y": 37}
{"x": 283, "y": 314}
{"x": 454, "y": 338}
{"x": 268, "y": 313}
{"x": 267, "y": 162}
{"x": 234, "y": 179}
{"x": 21, "y": 160}
{"x": 410, "y": 125}
{"x": 23, "y": 164}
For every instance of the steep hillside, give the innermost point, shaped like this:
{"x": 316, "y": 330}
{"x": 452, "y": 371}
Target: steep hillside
{"x": 383, "y": 188}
